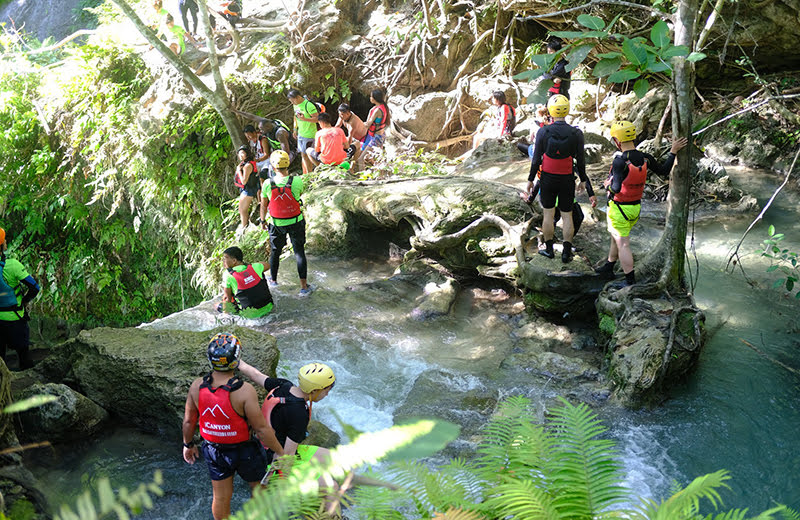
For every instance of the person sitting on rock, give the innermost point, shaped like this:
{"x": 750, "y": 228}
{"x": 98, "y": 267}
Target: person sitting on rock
{"x": 177, "y": 36}
{"x": 330, "y": 143}
{"x": 280, "y": 197}
{"x": 502, "y": 122}
{"x": 227, "y": 410}
{"x": 625, "y": 185}
{"x": 558, "y": 151}
{"x": 244, "y": 286}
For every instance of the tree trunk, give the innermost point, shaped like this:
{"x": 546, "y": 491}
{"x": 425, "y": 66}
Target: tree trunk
{"x": 217, "y": 98}
{"x": 670, "y": 252}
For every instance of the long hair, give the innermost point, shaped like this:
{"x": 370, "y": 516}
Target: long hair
{"x": 378, "y": 96}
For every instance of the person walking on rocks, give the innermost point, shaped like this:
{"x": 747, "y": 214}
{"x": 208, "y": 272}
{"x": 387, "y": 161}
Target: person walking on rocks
{"x": 558, "y": 151}
{"x": 625, "y": 185}
{"x": 280, "y": 198}
{"x": 17, "y": 289}
{"x": 227, "y": 411}
{"x": 246, "y": 179}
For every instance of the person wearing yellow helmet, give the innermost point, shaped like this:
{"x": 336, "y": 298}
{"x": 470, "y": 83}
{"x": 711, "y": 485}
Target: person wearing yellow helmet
{"x": 280, "y": 197}
{"x": 17, "y": 288}
{"x": 625, "y": 185}
{"x": 226, "y": 409}
{"x": 558, "y": 152}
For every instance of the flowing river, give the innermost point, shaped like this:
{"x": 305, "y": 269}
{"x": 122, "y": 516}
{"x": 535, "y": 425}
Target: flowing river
{"x": 738, "y": 411}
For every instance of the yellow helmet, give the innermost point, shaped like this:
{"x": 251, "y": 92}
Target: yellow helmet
{"x": 558, "y": 106}
{"x": 279, "y": 159}
{"x": 623, "y": 131}
{"x": 315, "y": 376}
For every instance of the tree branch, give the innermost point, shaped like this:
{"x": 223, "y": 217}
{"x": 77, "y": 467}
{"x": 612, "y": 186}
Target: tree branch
{"x": 592, "y": 3}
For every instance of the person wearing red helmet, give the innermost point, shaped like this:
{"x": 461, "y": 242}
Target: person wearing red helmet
{"x": 227, "y": 410}
{"x": 17, "y": 288}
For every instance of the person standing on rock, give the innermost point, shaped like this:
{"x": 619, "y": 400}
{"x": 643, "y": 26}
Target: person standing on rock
{"x": 246, "y": 179}
{"x": 17, "y": 289}
{"x": 558, "y": 151}
{"x": 305, "y": 125}
{"x": 280, "y": 197}
{"x": 559, "y": 74}
{"x": 245, "y": 287}
{"x": 227, "y": 410}
{"x": 625, "y": 185}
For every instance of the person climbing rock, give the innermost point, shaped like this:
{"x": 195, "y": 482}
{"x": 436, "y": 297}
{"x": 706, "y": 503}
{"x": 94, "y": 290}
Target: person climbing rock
{"x": 17, "y": 289}
{"x": 330, "y": 144}
{"x": 356, "y": 129}
{"x": 244, "y": 286}
{"x": 259, "y": 145}
{"x": 227, "y": 410}
{"x": 558, "y": 151}
{"x": 305, "y": 125}
{"x": 625, "y": 185}
{"x": 246, "y": 179}
{"x": 280, "y": 198}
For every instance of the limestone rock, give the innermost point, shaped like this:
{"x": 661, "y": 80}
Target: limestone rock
{"x": 322, "y": 436}
{"x": 470, "y": 404}
{"x": 436, "y": 300}
{"x": 647, "y": 112}
{"x": 424, "y": 115}
{"x": 142, "y": 376}
{"x": 71, "y": 417}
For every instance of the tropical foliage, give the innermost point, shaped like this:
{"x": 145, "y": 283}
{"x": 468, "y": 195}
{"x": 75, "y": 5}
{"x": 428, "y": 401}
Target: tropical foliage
{"x": 784, "y": 262}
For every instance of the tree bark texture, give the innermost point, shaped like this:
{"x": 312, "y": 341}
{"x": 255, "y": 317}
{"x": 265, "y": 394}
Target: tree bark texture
{"x": 217, "y": 98}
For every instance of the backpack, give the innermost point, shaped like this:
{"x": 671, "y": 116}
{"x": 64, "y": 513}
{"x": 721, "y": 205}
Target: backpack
{"x": 8, "y": 296}
{"x": 558, "y": 147}
{"x": 320, "y": 106}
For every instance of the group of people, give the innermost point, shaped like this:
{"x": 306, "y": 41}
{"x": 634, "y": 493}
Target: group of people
{"x": 238, "y": 435}
{"x": 557, "y": 154}
{"x": 175, "y": 35}
{"x": 262, "y": 174}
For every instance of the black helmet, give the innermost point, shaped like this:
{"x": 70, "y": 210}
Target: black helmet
{"x": 224, "y": 351}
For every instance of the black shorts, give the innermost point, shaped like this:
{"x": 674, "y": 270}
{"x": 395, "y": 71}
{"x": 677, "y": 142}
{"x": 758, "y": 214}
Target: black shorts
{"x": 557, "y": 187}
{"x": 296, "y": 233}
{"x": 246, "y": 458}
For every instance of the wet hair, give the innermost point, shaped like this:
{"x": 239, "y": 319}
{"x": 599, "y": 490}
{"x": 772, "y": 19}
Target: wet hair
{"x": 378, "y": 96}
{"x": 247, "y": 150}
{"x": 169, "y": 19}
{"x": 293, "y": 93}
{"x": 248, "y": 129}
{"x": 325, "y": 118}
{"x": 554, "y": 45}
{"x": 344, "y": 107}
{"x": 235, "y": 253}
{"x": 500, "y": 96}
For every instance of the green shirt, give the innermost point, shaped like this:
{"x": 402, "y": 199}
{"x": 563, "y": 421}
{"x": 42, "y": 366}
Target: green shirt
{"x": 13, "y": 274}
{"x": 229, "y": 282}
{"x": 305, "y": 129}
{"x": 178, "y": 32}
{"x": 297, "y": 191}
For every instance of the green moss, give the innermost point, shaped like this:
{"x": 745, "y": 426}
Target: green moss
{"x": 540, "y": 301}
{"x": 22, "y": 510}
{"x": 607, "y": 325}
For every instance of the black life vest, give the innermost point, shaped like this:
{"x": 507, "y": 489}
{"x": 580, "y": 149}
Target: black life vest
{"x": 557, "y": 156}
{"x": 251, "y": 289}
{"x": 282, "y": 203}
{"x": 272, "y": 135}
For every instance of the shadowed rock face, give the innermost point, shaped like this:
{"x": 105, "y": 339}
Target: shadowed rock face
{"x": 43, "y": 18}
{"x": 143, "y": 375}
{"x": 71, "y": 416}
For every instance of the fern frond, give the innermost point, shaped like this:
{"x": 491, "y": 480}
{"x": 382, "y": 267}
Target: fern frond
{"x": 586, "y": 471}
{"x": 522, "y": 500}
{"x": 687, "y": 500}
{"x": 457, "y": 514}
{"x": 790, "y": 514}
{"x": 377, "y": 503}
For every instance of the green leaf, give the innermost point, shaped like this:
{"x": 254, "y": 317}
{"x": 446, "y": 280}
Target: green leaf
{"x": 609, "y": 55}
{"x": 695, "y": 56}
{"x": 542, "y": 60}
{"x": 541, "y": 92}
{"x": 675, "y": 50}
{"x": 529, "y": 75}
{"x": 778, "y": 283}
{"x": 789, "y": 284}
{"x": 31, "y": 402}
{"x": 578, "y": 54}
{"x": 568, "y": 35}
{"x": 431, "y": 436}
{"x": 772, "y": 268}
{"x": 623, "y": 75}
{"x": 635, "y": 52}
{"x": 606, "y": 66}
{"x": 659, "y": 34}
{"x": 771, "y": 230}
{"x": 592, "y": 22}
{"x": 657, "y": 67}
{"x": 641, "y": 87}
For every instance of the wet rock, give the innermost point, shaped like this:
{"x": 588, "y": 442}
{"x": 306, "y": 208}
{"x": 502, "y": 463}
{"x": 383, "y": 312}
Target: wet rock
{"x": 436, "y": 300}
{"x": 142, "y": 376}
{"x": 469, "y": 404}
{"x": 321, "y": 435}
{"x": 551, "y": 365}
{"x": 71, "y": 417}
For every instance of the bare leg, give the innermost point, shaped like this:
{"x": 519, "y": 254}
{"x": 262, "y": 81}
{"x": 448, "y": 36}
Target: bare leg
{"x": 567, "y": 226}
{"x": 625, "y": 253}
{"x": 244, "y": 209}
{"x": 613, "y": 251}
{"x": 221, "y": 504}
{"x": 548, "y": 227}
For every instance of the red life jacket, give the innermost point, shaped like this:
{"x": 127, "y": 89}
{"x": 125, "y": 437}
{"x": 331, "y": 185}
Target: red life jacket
{"x": 271, "y": 401}
{"x": 238, "y": 177}
{"x": 219, "y": 422}
{"x": 377, "y": 127}
{"x": 251, "y": 289}
{"x": 633, "y": 185}
{"x": 282, "y": 203}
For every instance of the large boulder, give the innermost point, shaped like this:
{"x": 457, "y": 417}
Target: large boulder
{"x": 141, "y": 376}
{"x": 424, "y": 115}
{"x": 71, "y": 416}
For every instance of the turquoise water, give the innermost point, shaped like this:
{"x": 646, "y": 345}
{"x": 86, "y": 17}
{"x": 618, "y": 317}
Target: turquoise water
{"x": 737, "y": 411}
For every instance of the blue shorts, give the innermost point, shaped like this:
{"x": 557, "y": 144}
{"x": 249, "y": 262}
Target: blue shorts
{"x": 375, "y": 141}
{"x": 530, "y": 151}
{"x": 248, "y": 459}
{"x": 250, "y": 192}
{"x": 304, "y": 143}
